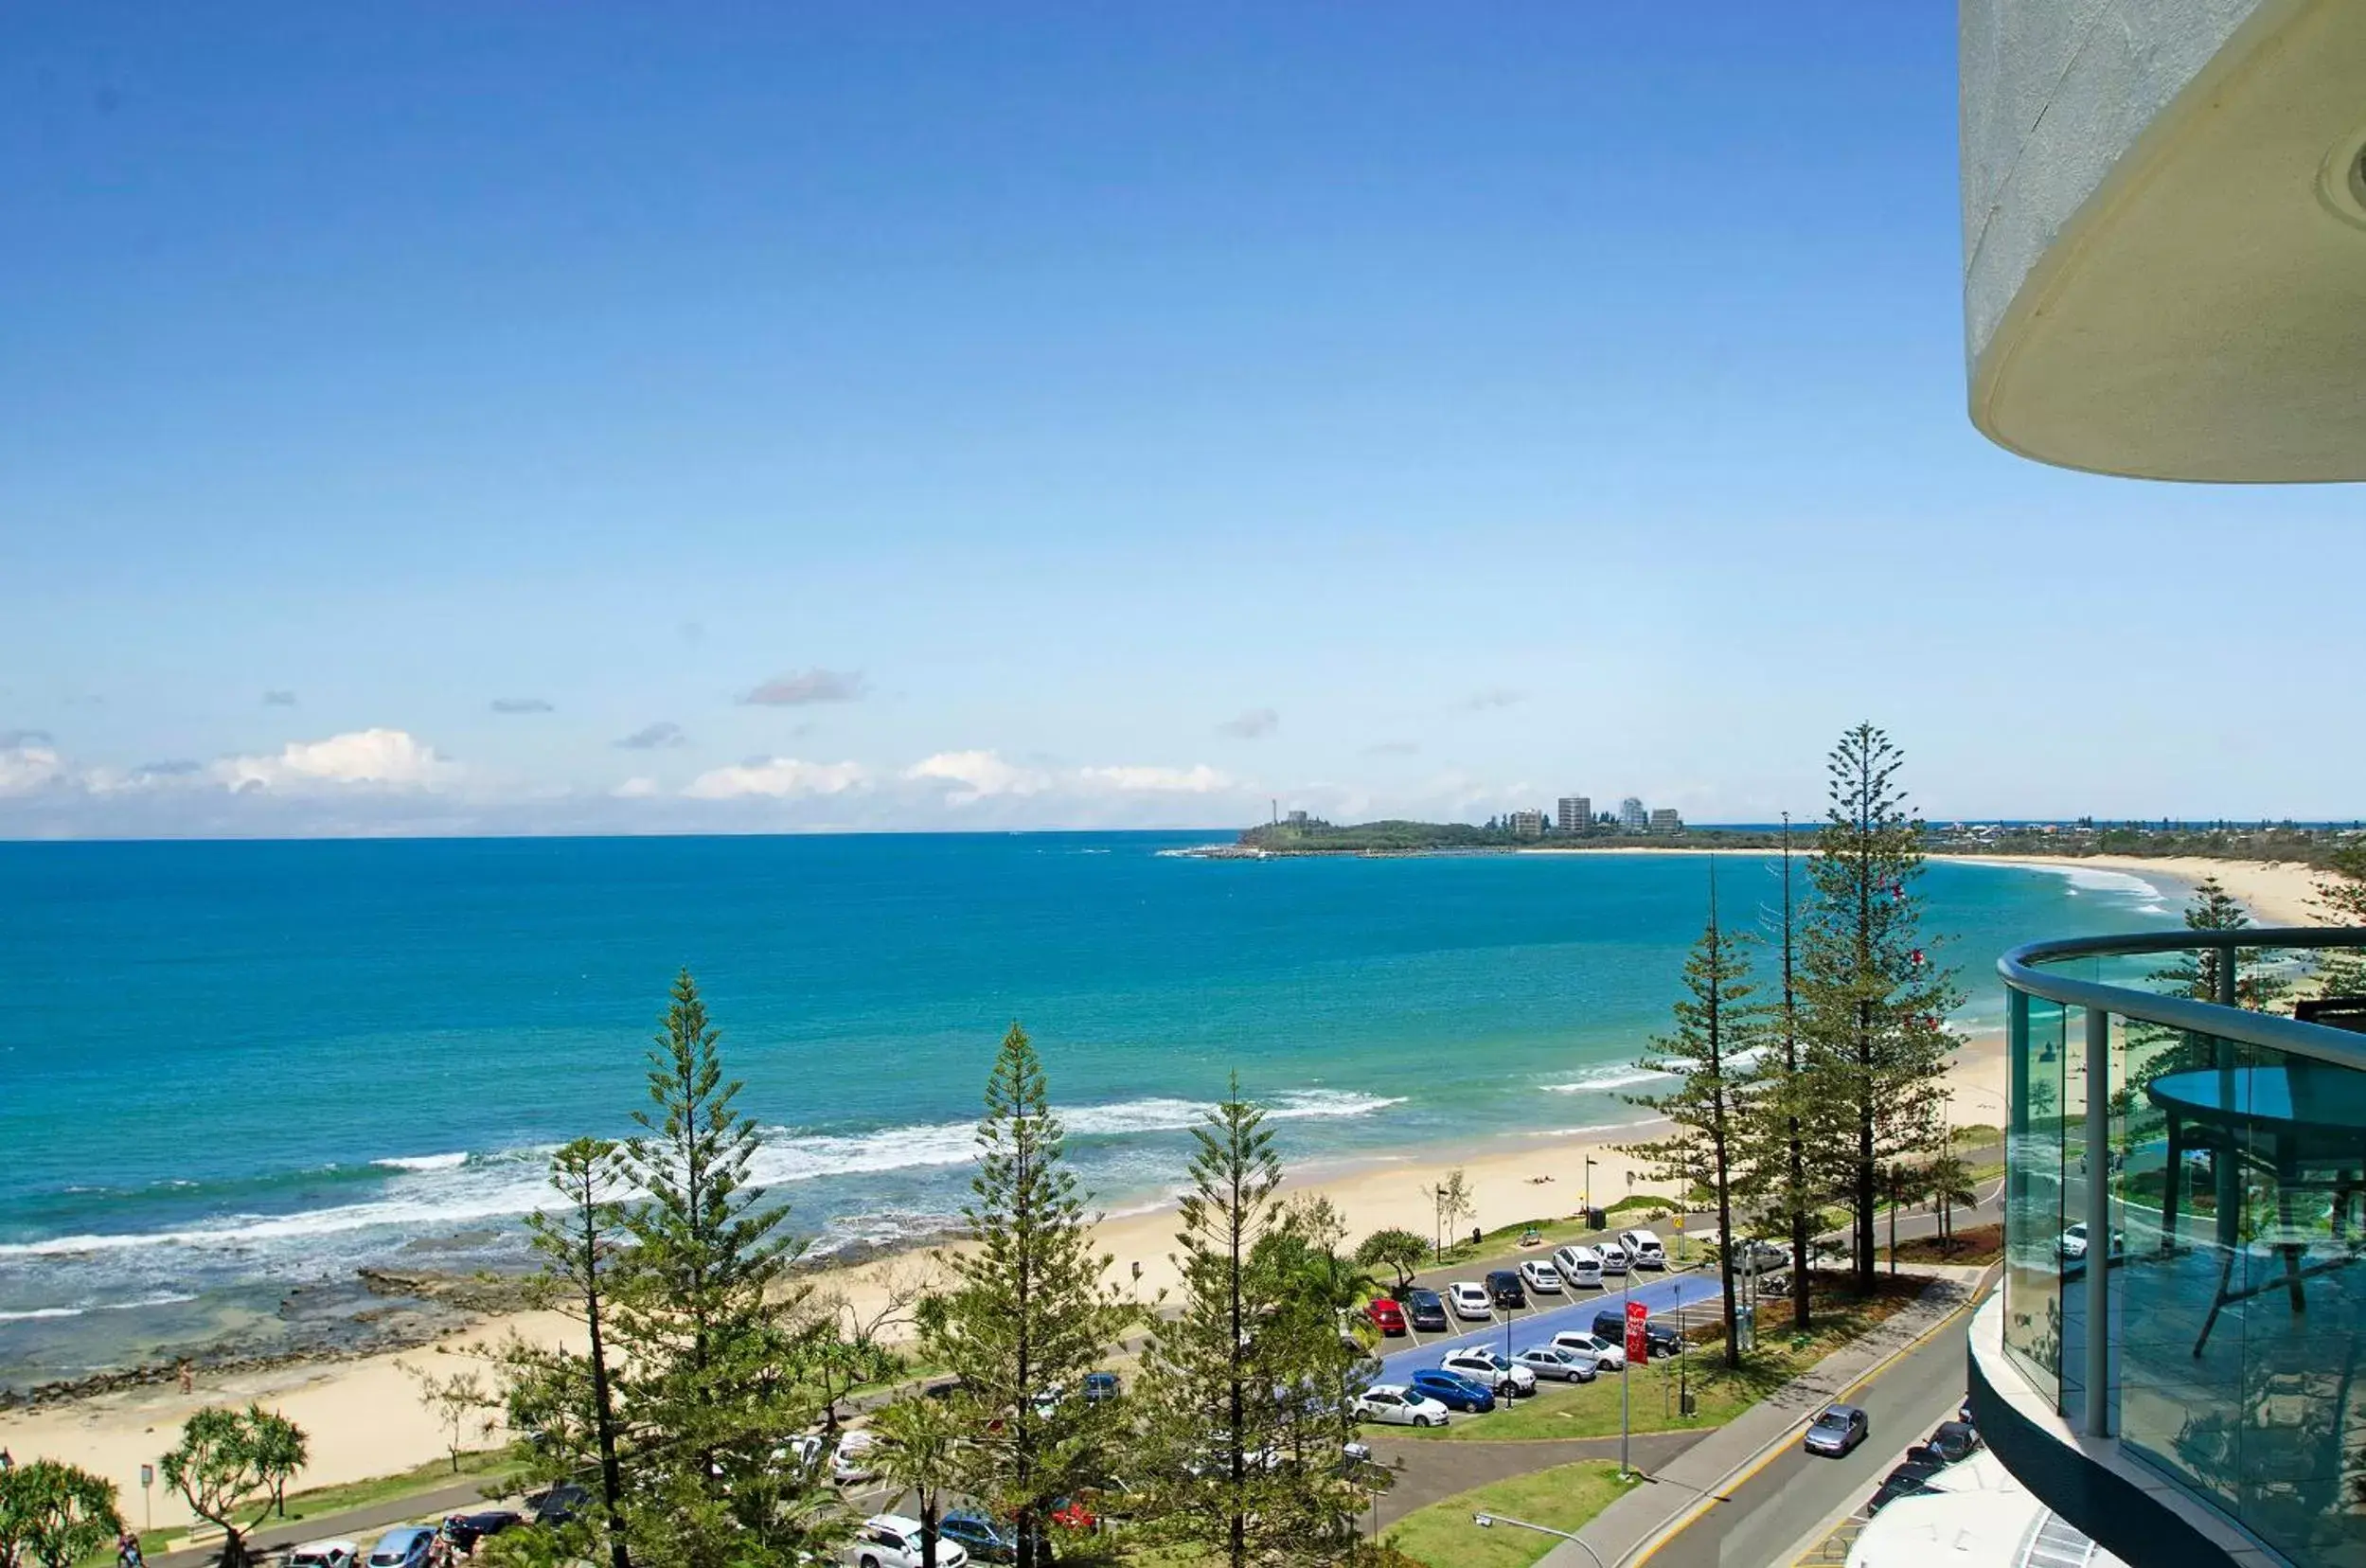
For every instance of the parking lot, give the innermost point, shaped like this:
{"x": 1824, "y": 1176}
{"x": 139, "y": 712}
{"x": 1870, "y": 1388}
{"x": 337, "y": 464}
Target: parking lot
{"x": 1535, "y": 1325}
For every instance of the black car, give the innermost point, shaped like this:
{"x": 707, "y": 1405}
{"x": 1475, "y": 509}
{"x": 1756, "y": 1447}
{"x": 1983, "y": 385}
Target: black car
{"x": 1904, "y": 1480}
{"x": 563, "y": 1505}
{"x": 1425, "y": 1310}
{"x": 1658, "y": 1338}
{"x": 1951, "y": 1443}
{"x": 1504, "y": 1288}
{"x": 466, "y": 1530}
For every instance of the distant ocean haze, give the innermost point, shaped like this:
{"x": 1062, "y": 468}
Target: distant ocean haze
{"x": 234, "y": 1067}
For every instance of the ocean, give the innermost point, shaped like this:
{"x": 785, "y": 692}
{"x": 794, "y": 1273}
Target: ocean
{"x": 235, "y": 1069}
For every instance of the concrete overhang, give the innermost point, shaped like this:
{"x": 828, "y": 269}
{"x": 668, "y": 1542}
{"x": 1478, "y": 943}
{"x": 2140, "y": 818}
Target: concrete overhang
{"x": 2166, "y": 235}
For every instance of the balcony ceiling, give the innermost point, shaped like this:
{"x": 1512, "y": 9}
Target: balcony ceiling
{"x": 2203, "y": 314}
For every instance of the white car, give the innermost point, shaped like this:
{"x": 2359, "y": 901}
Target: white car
{"x": 855, "y": 1461}
{"x": 1469, "y": 1300}
{"x": 1614, "y": 1259}
{"x": 1394, "y": 1405}
{"x": 1551, "y": 1360}
{"x": 1541, "y": 1277}
{"x": 893, "y": 1541}
{"x": 1611, "y": 1354}
{"x": 1491, "y": 1371}
{"x": 325, "y": 1554}
{"x": 1578, "y": 1266}
{"x": 1644, "y": 1248}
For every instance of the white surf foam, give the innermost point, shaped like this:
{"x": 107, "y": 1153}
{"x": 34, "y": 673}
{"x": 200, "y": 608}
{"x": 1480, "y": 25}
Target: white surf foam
{"x": 45, "y": 1312}
{"x": 421, "y": 1162}
{"x": 442, "y": 1191}
{"x": 1601, "y": 1080}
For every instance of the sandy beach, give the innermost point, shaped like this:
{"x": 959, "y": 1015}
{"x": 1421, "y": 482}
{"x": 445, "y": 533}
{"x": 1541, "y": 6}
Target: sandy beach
{"x": 365, "y": 1418}
{"x": 2277, "y": 893}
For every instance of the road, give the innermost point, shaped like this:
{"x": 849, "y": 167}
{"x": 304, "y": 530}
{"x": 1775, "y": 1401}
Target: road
{"x": 1768, "y": 1512}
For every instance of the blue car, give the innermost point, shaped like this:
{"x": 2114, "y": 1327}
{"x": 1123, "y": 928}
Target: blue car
{"x": 985, "y": 1541}
{"x": 404, "y": 1546}
{"x": 1452, "y": 1390}
{"x": 1100, "y": 1387}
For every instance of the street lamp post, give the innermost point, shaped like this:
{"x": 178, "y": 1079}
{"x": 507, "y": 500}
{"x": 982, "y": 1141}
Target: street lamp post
{"x": 1490, "y": 1521}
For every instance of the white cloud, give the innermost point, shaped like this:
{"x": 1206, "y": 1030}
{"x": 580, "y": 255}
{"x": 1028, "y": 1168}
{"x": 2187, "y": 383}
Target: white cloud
{"x": 635, "y": 788}
{"x": 976, "y": 775}
{"x": 1200, "y": 779}
{"x": 27, "y": 767}
{"x": 382, "y": 758}
{"x": 778, "y": 777}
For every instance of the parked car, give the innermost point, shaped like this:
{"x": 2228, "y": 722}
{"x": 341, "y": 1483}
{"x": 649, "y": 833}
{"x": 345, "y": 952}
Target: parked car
{"x": 1452, "y": 1390}
{"x": 1610, "y": 1353}
{"x": 1541, "y": 1277}
{"x": 1425, "y": 1310}
{"x": 943, "y": 1388}
{"x": 1489, "y": 1368}
{"x": 1504, "y": 1288}
{"x": 1394, "y": 1405}
{"x": 1101, "y": 1387}
{"x": 1950, "y": 1443}
{"x": 1470, "y": 1301}
{"x": 1551, "y": 1360}
{"x": 1644, "y": 1248}
{"x": 1903, "y": 1481}
{"x": 563, "y": 1505}
{"x": 1578, "y": 1266}
{"x": 1614, "y": 1259}
{"x": 404, "y": 1546}
{"x": 856, "y": 1459}
{"x": 2073, "y": 1246}
{"x": 1658, "y": 1338}
{"x": 1761, "y": 1257}
{"x": 466, "y": 1530}
{"x": 1386, "y": 1315}
{"x": 325, "y": 1554}
{"x": 893, "y": 1541}
{"x": 1836, "y": 1430}
{"x": 983, "y": 1539}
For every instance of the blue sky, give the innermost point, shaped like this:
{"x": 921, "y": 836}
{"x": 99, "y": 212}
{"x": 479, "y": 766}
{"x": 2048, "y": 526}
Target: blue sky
{"x": 1060, "y": 415}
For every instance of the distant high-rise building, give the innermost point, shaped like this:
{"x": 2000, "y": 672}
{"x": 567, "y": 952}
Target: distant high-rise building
{"x": 1574, "y": 815}
{"x": 1665, "y": 820}
{"x": 1525, "y": 824}
{"x": 1632, "y": 817}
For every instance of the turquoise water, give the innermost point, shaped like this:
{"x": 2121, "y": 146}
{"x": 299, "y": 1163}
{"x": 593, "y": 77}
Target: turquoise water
{"x": 231, "y": 1067}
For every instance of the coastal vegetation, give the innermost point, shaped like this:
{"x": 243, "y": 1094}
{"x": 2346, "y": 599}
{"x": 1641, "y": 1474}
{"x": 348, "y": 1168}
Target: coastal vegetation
{"x": 54, "y": 1514}
{"x": 232, "y": 1467}
{"x": 1719, "y": 1033}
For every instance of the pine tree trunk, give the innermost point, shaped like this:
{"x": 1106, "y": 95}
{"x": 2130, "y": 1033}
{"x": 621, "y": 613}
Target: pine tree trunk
{"x": 1866, "y": 1175}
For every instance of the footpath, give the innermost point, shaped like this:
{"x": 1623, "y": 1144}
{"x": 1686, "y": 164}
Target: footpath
{"x": 1692, "y": 1482}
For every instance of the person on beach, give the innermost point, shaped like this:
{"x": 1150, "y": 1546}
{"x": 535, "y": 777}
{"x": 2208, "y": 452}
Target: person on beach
{"x": 8, "y": 1461}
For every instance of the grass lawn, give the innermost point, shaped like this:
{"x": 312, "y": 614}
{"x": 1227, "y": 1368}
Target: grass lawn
{"x": 1563, "y": 1497}
{"x": 1590, "y": 1409}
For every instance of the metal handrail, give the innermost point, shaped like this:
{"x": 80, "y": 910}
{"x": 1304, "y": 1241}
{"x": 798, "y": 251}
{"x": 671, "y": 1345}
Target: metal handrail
{"x": 2317, "y": 1041}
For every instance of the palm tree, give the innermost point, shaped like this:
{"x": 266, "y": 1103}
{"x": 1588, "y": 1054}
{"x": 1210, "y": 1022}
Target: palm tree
{"x": 1948, "y": 1181}
{"x": 919, "y": 1449}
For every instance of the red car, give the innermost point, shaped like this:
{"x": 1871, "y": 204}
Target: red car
{"x": 1386, "y": 1315}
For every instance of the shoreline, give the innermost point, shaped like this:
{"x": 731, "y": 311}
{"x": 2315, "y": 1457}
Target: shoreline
{"x": 362, "y": 1415}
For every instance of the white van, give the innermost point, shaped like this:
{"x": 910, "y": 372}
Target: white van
{"x": 1578, "y": 1266}
{"x": 1644, "y": 1248}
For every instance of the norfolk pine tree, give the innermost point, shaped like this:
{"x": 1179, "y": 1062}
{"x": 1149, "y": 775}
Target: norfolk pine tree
{"x": 707, "y": 1339}
{"x": 1783, "y": 1113}
{"x": 1711, "y": 1108}
{"x": 2201, "y": 973}
{"x": 579, "y": 1246}
{"x": 1026, "y": 1311}
{"x": 1873, "y": 1006}
{"x": 1217, "y": 1378}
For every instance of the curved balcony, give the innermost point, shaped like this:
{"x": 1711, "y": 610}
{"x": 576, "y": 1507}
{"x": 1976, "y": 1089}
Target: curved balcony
{"x": 2189, "y": 1175}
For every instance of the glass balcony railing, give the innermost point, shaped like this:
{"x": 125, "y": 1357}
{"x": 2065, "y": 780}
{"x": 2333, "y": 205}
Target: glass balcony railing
{"x": 2185, "y": 1219}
